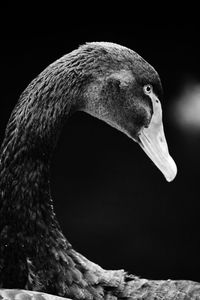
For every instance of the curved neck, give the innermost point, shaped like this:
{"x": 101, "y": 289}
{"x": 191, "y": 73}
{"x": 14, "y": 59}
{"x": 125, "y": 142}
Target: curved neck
{"x": 28, "y": 226}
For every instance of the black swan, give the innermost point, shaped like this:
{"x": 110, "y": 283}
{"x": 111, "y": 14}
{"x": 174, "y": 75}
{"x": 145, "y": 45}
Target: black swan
{"x": 116, "y": 85}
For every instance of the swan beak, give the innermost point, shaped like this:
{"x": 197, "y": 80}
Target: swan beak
{"x": 153, "y": 142}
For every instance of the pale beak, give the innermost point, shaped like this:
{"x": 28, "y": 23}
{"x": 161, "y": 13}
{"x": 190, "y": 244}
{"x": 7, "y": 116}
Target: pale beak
{"x": 153, "y": 142}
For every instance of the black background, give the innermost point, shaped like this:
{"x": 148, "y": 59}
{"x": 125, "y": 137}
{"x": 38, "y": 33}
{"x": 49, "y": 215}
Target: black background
{"x": 113, "y": 204}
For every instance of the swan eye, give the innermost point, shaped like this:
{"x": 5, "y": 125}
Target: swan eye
{"x": 147, "y": 89}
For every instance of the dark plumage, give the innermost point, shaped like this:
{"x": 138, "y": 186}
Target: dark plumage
{"x": 107, "y": 81}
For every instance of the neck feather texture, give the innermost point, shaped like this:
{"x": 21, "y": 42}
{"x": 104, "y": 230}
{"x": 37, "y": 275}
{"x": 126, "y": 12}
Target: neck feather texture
{"x": 30, "y": 237}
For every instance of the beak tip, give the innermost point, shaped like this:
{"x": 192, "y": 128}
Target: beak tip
{"x": 173, "y": 171}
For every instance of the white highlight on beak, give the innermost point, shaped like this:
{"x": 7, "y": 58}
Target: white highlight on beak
{"x": 154, "y": 144}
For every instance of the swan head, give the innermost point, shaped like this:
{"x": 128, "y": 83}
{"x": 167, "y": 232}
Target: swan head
{"x": 125, "y": 93}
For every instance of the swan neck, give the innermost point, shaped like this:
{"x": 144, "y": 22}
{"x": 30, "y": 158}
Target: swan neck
{"x": 28, "y": 225}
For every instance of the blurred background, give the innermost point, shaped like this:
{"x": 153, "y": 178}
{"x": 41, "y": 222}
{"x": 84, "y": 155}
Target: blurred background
{"x": 114, "y": 205}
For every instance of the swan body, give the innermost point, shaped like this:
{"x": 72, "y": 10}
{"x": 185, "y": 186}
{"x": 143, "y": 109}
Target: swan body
{"x": 114, "y": 84}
